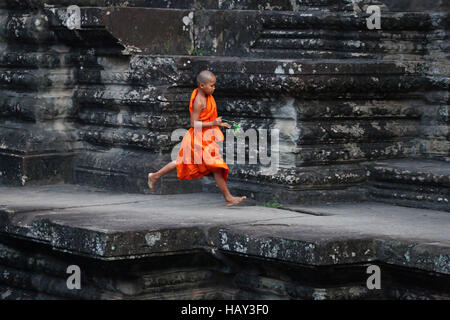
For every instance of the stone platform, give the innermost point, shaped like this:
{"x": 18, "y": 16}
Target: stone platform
{"x": 192, "y": 245}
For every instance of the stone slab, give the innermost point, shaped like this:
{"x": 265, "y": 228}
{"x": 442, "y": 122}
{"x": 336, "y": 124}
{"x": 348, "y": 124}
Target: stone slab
{"x": 111, "y": 225}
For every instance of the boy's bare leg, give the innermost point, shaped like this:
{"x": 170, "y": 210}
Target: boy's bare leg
{"x": 154, "y": 176}
{"x": 221, "y": 183}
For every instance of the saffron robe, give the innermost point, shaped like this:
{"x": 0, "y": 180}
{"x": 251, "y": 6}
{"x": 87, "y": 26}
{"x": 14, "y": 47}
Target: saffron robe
{"x": 199, "y": 153}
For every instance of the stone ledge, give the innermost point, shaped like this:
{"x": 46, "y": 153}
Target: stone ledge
{"x": 269, "y": 5}
{"x": 111, "y": 226}
{"x": 412, "y": 171}
{"x": 419, "y": 183}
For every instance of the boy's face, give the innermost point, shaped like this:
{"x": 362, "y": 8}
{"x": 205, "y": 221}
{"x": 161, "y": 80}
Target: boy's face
{"x": 208, "y": 87}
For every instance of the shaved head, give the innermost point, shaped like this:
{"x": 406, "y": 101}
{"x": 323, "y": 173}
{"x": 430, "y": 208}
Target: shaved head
{"x": 204, "y": 77}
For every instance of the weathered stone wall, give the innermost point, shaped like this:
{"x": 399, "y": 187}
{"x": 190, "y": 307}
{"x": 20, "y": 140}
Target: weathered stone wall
{"x": 434, "y": 138}
{"x": 33, "y": 271}
{"x": 340, "y": 94}
{"x": 37, "y": 79}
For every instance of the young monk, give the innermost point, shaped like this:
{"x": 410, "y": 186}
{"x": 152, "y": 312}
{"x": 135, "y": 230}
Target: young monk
{"x": 199, "y": 153}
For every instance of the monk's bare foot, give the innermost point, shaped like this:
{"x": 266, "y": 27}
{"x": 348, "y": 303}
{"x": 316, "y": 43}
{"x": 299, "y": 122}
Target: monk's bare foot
{"x": 151, "y": 181}
{"x": 235, "y": 200}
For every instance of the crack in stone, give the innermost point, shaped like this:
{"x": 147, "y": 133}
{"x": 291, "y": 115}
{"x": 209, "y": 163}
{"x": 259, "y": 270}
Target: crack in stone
{"x": 66, "y": 208}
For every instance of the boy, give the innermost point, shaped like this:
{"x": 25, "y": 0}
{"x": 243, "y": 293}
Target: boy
{"x": 199, "y": 154}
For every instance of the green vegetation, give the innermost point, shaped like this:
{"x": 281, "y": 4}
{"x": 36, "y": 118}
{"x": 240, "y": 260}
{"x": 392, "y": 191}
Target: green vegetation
{"x": 166, "y": 47}
{"x": 116, "y": 5}
{"x": 194, "y": 52}
{"x": 273, "y": 204}
{"x": 236, "y": 125}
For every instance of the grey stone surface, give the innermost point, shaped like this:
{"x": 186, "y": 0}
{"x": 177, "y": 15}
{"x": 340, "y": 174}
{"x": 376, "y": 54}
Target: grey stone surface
{"x": 110, "y": 225}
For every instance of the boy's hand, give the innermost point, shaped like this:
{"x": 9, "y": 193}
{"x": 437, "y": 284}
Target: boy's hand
{"x": 218, "y": 122}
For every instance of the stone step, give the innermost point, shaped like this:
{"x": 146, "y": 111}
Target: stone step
{"x": 288, "y": 53}
{"x": 37, "y": 153}
{"x": 290, "y": 32}
{"x": 314, "y": 110}
{"x": 354, "y": 152}
{"x": 269, "y": 5}
{"x": 32, "y": 138}
{"x": 35, "y": 106}
{"x": 144, "y": 139}
{"x": 198, "y": 4}
{"x": 294, "y": 34}
{"x": 342, "y": 131}
{"x": 152, "y": 246}
{"x": 331, "y": 34}
{"x": 411, "y": 182}
{"x": 308, "y": 79}
{"x": 33, "y": 80}
{"x": 25, "y": 27}
{"x": 132, "y": 120}
{"x": 334, "y": 131}
{"x": 38, "y": 60}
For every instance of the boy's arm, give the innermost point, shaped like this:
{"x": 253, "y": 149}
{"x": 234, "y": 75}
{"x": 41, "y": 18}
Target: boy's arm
{"x": 197, "y": 109}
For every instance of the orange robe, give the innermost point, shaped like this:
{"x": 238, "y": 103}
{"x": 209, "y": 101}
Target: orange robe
{"x": 199, "y": 154}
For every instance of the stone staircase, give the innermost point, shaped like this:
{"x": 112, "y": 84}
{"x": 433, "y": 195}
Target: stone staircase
{"x": 411, "y": 183}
